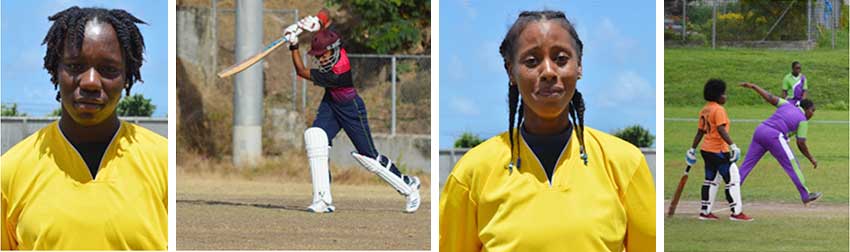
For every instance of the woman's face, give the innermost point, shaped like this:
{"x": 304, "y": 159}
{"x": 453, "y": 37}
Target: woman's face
{"x": 810, "y": 112}
{"x": 546, "y": 67}
{"x": 325, "y": 58}
{"x": 722, "y": 99}
{"x": 91, "y": 79}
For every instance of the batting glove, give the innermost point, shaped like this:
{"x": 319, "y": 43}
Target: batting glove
{"x": 735, "y": 153}
{"x": 691, "y": 157}
{"x": 310, "y": 23}
{"x": 291, "y": 34}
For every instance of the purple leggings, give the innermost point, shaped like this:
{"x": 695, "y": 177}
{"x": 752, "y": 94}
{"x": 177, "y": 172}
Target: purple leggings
{"x": 767, "y": 139}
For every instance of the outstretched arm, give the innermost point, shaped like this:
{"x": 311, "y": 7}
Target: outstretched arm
{"x": 768, "y": 97}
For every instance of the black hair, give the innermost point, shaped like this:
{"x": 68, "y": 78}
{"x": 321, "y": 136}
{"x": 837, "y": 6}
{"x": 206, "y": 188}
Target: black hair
{"x": 508, "y": 49}
{"x": 806, "y": 103}
{"x": 69, "y": 27}
{"x": 794, "y": 64}
{"x": 713, "y": 90}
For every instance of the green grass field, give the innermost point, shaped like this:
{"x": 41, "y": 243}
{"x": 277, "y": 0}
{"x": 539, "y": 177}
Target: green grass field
{"x": 686, "y": 70}
{"x": 782, "y": 224}
{"x": 828, "y": 142}
{"x": 772, "y": 231}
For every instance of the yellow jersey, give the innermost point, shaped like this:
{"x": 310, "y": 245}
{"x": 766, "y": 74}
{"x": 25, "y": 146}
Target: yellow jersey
{"x": 608, "y": 205}
{"x": 51, "y": 202}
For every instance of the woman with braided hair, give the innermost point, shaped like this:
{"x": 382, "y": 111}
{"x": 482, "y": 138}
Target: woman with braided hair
{"x": 88, "y": 181}
{"x": 549, "y": 183}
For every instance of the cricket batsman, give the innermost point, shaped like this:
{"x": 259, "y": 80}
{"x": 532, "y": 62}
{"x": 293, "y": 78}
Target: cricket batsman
{"x": 719, "y": 153}
{"x": 340, "y": 109}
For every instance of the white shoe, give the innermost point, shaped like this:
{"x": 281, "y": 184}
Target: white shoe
{"x": 321, "y": 207}
{"x": 413, "y": 198}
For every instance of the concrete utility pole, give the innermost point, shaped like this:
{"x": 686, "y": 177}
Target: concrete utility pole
{"x": 248, "y": 85}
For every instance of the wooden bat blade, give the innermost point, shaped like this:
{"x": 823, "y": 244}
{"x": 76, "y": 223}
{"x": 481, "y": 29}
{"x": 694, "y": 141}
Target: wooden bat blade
{"x": 675, "y": 201}
{"x": 245, "y": 64}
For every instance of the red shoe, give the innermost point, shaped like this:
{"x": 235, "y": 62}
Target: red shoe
{"x": 709, "y": 216}
{"x": 740, "y": 217}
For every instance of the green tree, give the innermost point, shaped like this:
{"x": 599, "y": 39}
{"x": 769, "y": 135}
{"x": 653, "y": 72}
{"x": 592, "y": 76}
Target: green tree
{"x": 468, "y": 140}
{"x": 11, "y": 110}
{"x": 636, "y": 135}
{"x": 56, "y": 112}
{"x": 387, "y": 26}
{"x": 136, "y": 105}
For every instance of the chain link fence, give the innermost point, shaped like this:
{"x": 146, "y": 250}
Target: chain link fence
{"x": 395, "y": 88}
{"x": 790, "y": 24}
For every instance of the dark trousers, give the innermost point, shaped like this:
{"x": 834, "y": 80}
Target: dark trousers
{"x": 350, "y": 116}
{"x": 715, "y": 163}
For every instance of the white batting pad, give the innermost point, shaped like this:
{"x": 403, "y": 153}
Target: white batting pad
{"x": 735, "y": 189}
{"x": 316, "y": 141}
{"x": 374, "y": 166}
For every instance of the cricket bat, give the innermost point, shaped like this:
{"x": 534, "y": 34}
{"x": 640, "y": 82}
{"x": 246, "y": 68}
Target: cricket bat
{"x": 673, "y": 203}
{"x": 323, "y": 16}
{"x": 245, "y": 64}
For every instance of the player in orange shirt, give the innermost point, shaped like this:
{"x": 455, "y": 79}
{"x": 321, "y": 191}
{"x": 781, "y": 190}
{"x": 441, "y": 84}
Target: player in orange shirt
{"x": 719, "y": 153}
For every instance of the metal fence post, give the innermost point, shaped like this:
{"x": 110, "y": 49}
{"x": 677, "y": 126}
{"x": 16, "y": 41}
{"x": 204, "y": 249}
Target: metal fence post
{"x": 215, "y": 41}
{"x": 295, "y": 77}
{"x": 714, "y": 25}
{"x": 809, "y": 21}
{"x": 684, "y": 20}
{"x": 835, "y": 21}
{"x": 393, "y": 126}
{"x": 304, "y": 85}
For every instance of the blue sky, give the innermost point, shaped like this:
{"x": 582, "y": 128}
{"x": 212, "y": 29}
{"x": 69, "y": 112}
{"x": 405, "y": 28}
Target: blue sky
{"x": 618, "y": 80}
{"x": 24, "y": 25}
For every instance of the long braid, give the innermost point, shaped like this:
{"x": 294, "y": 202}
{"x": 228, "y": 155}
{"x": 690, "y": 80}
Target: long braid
{"x": 69, "y": 28}
{"x": 577, "y": 113}
{"x": 513, "y": 105}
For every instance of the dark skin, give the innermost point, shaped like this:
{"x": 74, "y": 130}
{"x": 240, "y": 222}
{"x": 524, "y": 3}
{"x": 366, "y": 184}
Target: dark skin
{"x": 90, "y": 84}
{"x": 721, "y": 129}
{"x": 546, "y": 67}
{"x": 773, "y": 100}
{"x": 795, "y": 70}
{"x": 296, "y": 56}
{"x": 299, "y": 65}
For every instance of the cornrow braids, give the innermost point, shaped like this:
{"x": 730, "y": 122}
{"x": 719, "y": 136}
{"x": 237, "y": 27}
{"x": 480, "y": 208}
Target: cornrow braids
{"x": 508, "y": 51}
{"x": 69, "y": 28}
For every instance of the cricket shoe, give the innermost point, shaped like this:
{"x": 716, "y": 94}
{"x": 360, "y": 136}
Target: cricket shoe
{"x": 740, "y": 217}
{"x": 413, "y": 198}
{"x": 321, "y": 207}
{"x": 709, "y": 216}
{"x": 812, "y": 198}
